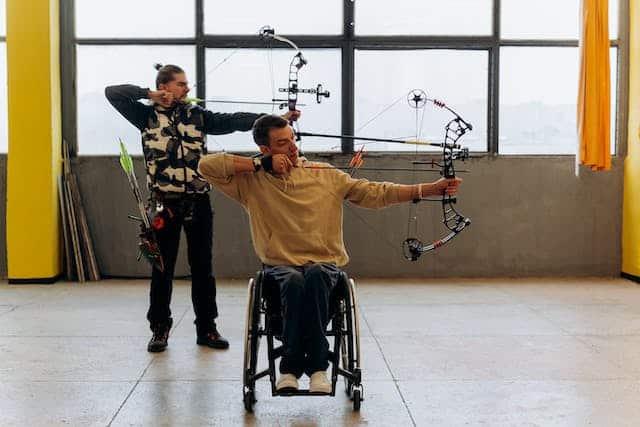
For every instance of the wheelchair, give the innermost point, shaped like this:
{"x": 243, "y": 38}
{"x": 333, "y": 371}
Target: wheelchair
{"x": 264, "y": 319}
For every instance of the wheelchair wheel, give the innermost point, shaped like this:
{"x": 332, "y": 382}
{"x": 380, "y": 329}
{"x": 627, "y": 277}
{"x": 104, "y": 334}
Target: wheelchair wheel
{"x": 357, "y": 399}
{"x": 346, "y": 348}
{"x": 249, "y": 399}
{"x": 350, "y": 357}
{"x": 251, "y": 343}
{"x": 356, "y": 324}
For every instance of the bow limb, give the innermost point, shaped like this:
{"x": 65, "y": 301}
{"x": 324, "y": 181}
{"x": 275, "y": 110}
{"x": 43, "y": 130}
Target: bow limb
{"x": 293, "y": 89}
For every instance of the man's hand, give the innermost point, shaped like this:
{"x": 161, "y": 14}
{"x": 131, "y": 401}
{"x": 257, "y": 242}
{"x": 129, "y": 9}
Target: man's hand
{"x": 161, "y": 97}
{"x": 291, "y": 116}
{"x": 448, "y": 186}
{"x": 281, "y": 164}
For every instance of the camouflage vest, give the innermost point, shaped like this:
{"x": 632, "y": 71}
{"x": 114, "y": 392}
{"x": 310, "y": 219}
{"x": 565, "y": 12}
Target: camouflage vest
{"x": 173, "y": 142}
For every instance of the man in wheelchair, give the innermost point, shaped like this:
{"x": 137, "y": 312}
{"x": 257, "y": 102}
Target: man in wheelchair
{"x": 295, "y": 212}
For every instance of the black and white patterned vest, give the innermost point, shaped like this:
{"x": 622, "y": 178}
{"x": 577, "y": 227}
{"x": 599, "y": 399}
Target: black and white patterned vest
{"x": 173, "y": 142}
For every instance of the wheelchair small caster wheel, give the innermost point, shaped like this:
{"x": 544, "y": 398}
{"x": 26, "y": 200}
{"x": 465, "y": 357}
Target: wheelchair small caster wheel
{"x": 357, "y": 398}
{"x": 249, "y": 399}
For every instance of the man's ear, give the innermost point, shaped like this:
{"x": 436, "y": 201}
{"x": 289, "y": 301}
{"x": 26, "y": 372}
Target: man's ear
{"x": 265, "y": 150}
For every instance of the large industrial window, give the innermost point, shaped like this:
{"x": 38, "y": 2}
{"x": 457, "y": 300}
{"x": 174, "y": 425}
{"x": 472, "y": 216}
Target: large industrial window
{"x": 508, "y": 67}
{"x": 456, "y": 77}
{"x": 258, "y": 84}
{"x": 99, "y": 124}
{"x": 539, "y": 61}
{"x": 424, "y": 17}
{"x": 245, "y": 17}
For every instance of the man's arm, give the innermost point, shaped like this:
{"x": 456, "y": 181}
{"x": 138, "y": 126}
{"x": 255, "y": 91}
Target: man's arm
{"x": 124, "y": 98}
{"x": 239, "y": 165}
{"x": 408, "y": 193}
{"x": 223, "y": 123}
{"x": 376, "y": 195}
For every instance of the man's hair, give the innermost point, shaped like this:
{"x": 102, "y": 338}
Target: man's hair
{"x": 166, "y": 73}
{"x": 263, "y": 125}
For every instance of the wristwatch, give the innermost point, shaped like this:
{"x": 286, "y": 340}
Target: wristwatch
{"x": 257, "y": 163}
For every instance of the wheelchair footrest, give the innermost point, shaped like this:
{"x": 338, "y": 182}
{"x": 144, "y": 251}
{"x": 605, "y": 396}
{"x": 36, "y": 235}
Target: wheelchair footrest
{"x": 303, "y": 392}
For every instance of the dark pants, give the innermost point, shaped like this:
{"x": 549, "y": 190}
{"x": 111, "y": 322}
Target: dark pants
{"x": 305, "y": 294}
{"x": 194, "y": 213}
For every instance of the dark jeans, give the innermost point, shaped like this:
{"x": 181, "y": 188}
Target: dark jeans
{"x": 304, "y": 293}
{"x": 194, "y": 213}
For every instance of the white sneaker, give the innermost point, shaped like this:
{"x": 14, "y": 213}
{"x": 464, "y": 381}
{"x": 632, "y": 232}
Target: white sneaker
{"x": 319, "y": 383}
{"x": 287, "y": 382}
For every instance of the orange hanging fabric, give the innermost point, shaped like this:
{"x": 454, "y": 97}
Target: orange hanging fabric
{"x": 594, "y": 91}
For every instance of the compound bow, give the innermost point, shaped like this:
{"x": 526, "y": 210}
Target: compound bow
{"x": 297, "y": 62}
{"x": 455, "y": 222}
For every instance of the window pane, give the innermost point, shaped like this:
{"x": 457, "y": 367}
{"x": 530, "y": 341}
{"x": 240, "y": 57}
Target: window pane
{"x": 3, "y": 99}
{"x": 424, "y": 17}
{"x": 285, "y": 17}
{"x": 613, "y": 18}
{"x": 547, "y": 19}
{"x": 456, "y": 77}
{"x": 3, "y": 18}
{"x": 538, "y": 102}
{"x": 140, "y": 18}
{"x": 99, "y": 124}
{"x": 246, "y": 76}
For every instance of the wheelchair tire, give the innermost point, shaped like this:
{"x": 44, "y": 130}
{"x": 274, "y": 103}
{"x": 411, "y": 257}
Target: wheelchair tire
{"x": 357, "y": 398}
{"x": 251, "y": 338}
{"x": 249, "y": 399}
{"x": 350, "y": 356}
{"x": 344, "y": 359}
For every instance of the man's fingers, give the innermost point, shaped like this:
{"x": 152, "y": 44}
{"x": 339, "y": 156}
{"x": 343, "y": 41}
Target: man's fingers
{"x": 292, "y": 115}
{"x": 288, "y": 163}
{"x": 284, "y": 164}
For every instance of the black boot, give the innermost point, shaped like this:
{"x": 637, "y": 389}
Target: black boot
{"x": 158, "y": 342}
{"x": 213, "y": 339}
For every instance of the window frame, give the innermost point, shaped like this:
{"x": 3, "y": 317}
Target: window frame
{"x": 348, "y": 43}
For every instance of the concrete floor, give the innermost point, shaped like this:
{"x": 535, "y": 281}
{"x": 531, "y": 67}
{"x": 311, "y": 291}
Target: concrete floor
{"x": 549, "y": 352}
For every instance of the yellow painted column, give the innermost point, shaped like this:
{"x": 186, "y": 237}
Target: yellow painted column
{"x": 34, "y": 160}
{"x": 631, "y": 204}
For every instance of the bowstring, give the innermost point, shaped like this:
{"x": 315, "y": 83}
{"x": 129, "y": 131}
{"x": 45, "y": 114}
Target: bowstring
{"x": 352, "y": 208}
{"x": 215, "y": 67}
{"x": 271, "y": 74}
{"x": 381, "y": 112}
{"x": 419, "y": 123}
{"x": 412, "y": 222}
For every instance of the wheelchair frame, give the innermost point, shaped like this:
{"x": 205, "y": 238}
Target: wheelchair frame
{"x": 344, "y": 356}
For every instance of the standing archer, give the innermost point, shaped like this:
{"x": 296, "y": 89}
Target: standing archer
{"x": 173, "y": 141}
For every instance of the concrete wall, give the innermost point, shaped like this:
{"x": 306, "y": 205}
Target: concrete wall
{"x": 530, "y": 217}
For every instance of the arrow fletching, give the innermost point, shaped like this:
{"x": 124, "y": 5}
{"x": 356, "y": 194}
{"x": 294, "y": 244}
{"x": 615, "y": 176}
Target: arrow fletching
{"x": 125, "y": 159}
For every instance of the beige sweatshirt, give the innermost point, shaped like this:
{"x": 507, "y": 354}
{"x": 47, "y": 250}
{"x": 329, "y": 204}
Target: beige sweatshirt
{"x": 297, "y": 219}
